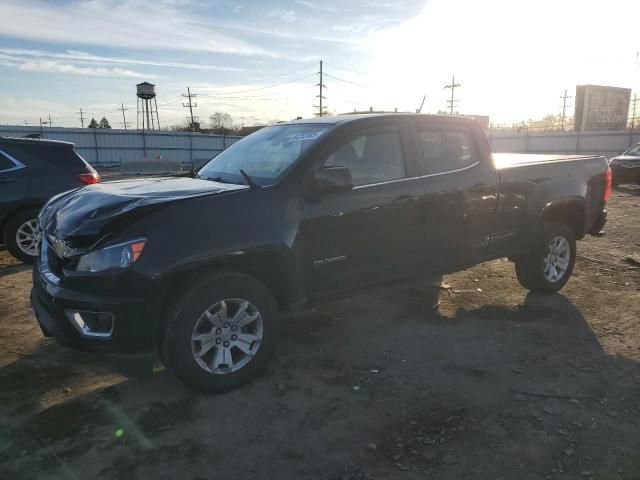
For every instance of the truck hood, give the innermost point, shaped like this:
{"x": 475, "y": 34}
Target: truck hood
{"x": 86, "y": 211}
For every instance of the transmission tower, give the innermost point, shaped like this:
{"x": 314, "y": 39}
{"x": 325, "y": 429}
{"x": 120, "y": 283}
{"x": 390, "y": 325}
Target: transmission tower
{"x": 321, "y": 109}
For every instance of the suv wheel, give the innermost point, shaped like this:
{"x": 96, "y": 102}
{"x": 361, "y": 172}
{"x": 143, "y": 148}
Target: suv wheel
{"x": 221, "y": 332}
{"x": 22, "y": 235}
{"x": 547, "y": 268}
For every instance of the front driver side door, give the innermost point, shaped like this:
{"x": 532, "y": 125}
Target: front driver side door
{"x": 373, "y": 233}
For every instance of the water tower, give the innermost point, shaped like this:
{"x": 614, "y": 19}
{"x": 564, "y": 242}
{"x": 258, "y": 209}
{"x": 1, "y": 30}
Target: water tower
{"x": 146, "y": 93}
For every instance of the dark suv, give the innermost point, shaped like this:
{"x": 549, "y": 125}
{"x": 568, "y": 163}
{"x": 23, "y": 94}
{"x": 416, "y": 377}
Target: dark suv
{"x": 31, "y": 172}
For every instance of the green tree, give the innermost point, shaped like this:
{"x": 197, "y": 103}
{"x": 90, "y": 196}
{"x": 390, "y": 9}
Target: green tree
{"x": 93, "y": 123}
{"x": 104, "y": 123}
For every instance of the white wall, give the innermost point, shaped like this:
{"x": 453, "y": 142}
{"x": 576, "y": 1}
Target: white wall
{"x": 608, "y": 143}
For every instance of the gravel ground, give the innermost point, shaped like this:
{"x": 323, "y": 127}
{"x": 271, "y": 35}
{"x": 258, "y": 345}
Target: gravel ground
{"x": 473, "y": 378}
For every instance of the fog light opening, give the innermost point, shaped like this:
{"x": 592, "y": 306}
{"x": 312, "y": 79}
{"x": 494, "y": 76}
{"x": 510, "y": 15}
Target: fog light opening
{"x": 92, "y": 324}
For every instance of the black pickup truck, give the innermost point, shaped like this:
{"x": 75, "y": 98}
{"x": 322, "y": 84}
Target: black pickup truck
{"x": 198, "y": 269}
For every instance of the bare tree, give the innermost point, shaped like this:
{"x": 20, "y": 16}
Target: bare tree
{"x": 221, "y": 122}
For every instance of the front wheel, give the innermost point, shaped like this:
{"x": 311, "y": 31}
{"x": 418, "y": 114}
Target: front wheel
{"x": 221, "y": 332}
{"x": 549, "y": 264}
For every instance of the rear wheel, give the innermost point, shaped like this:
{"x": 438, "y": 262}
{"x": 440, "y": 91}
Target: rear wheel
{"x": 22, "y": 235}
{"x": 549, "y": 264}
{"x": 221, "y": 332}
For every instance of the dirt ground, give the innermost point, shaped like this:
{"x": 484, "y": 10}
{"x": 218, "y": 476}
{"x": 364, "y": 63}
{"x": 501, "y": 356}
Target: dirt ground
{"x": 472, "y": 379}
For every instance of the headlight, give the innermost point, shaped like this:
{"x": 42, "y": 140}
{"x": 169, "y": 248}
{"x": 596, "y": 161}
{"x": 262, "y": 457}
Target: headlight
{"x": 121, "y": 255}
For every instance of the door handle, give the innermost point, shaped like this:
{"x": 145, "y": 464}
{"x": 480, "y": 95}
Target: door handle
{"x": 7, "y": 180}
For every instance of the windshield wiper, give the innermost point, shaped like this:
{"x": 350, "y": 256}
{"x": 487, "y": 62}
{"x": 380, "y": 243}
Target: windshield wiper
{"x": 248, "y": 179}
{"x": 216, "y": 179}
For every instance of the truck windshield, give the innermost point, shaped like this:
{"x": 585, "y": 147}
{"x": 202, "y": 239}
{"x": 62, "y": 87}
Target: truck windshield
{"x": 263, "y": 155}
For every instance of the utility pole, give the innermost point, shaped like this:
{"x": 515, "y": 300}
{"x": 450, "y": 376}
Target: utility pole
{"x": 49, "y": 120}
{"x": 321, "y": 97}
{"x": 564, "y": 107}
{"x": 189, "y": 96}
{"x": 633, "y": 118}
{"x": 124, "y": 119}
{"x": 419, "y": 110}
{"x": 81, "y": 118}
{"x": 453, "y": 85}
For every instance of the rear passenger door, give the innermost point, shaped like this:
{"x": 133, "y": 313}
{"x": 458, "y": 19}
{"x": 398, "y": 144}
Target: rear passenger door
{"x": 373, "y": 233}
{"x": 460, "y": 194}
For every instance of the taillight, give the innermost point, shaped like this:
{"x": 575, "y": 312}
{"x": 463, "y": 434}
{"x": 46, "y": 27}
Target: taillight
{"x": 607, "y": 185}
{"x": 89, "y": 178}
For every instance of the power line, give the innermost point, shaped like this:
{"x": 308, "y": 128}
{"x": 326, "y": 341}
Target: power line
{"x": 344, "y": 68}
{"x": 261, "y": 88}
{"x": 453, "y": 85}
{"x": 346, "y": 81}
{"x": 190, "y": 104}
{"x": 260, "y": 79}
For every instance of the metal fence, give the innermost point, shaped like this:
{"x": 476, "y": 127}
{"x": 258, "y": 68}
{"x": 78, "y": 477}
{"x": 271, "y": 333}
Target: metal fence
{"x": 112, "y": 147}
{"x": 607, "y": 143}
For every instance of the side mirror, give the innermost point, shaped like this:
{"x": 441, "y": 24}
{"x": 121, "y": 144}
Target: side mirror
{"x": 332, "y": 180}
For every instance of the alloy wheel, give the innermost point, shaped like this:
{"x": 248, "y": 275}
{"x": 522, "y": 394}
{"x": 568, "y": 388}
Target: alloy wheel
{"x": 556, "y": 261}
{"x": 29, "y": 236}
{"x": 227, "y": 336}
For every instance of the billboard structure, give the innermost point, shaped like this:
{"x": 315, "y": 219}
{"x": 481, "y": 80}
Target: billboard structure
{"x": 601, "y": 108}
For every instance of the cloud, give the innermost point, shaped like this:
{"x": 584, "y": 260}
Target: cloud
{"x": 51, "y": 66}
{"x": 131, "y": 24}
{"x": 84, "y": 57}
{"x": 286, "y": 15}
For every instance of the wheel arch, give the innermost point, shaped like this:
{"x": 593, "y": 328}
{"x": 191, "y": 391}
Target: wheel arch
{"x": 570, "y": 211}
{"x": 15, "y": 211}
{"x": 274, "y": 268}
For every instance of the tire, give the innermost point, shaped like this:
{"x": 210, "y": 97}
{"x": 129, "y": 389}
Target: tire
{"x": 531, "y": 269}
{"x": 18, "y": 220}
{"x": 615, "y": 183}
{"x": 188, "y": 318}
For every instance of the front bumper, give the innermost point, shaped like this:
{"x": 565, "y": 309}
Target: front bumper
{"x": 132, "y": 337}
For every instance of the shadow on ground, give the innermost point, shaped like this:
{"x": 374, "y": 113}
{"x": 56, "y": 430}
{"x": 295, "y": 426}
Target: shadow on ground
{"x": 383, "y": 385}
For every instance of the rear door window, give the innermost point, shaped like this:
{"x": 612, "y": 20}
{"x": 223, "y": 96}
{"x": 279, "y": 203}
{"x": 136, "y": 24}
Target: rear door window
{"x": 446, "y": 150}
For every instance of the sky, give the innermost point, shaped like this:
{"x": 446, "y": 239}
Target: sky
{"x": 258, "y": 61}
